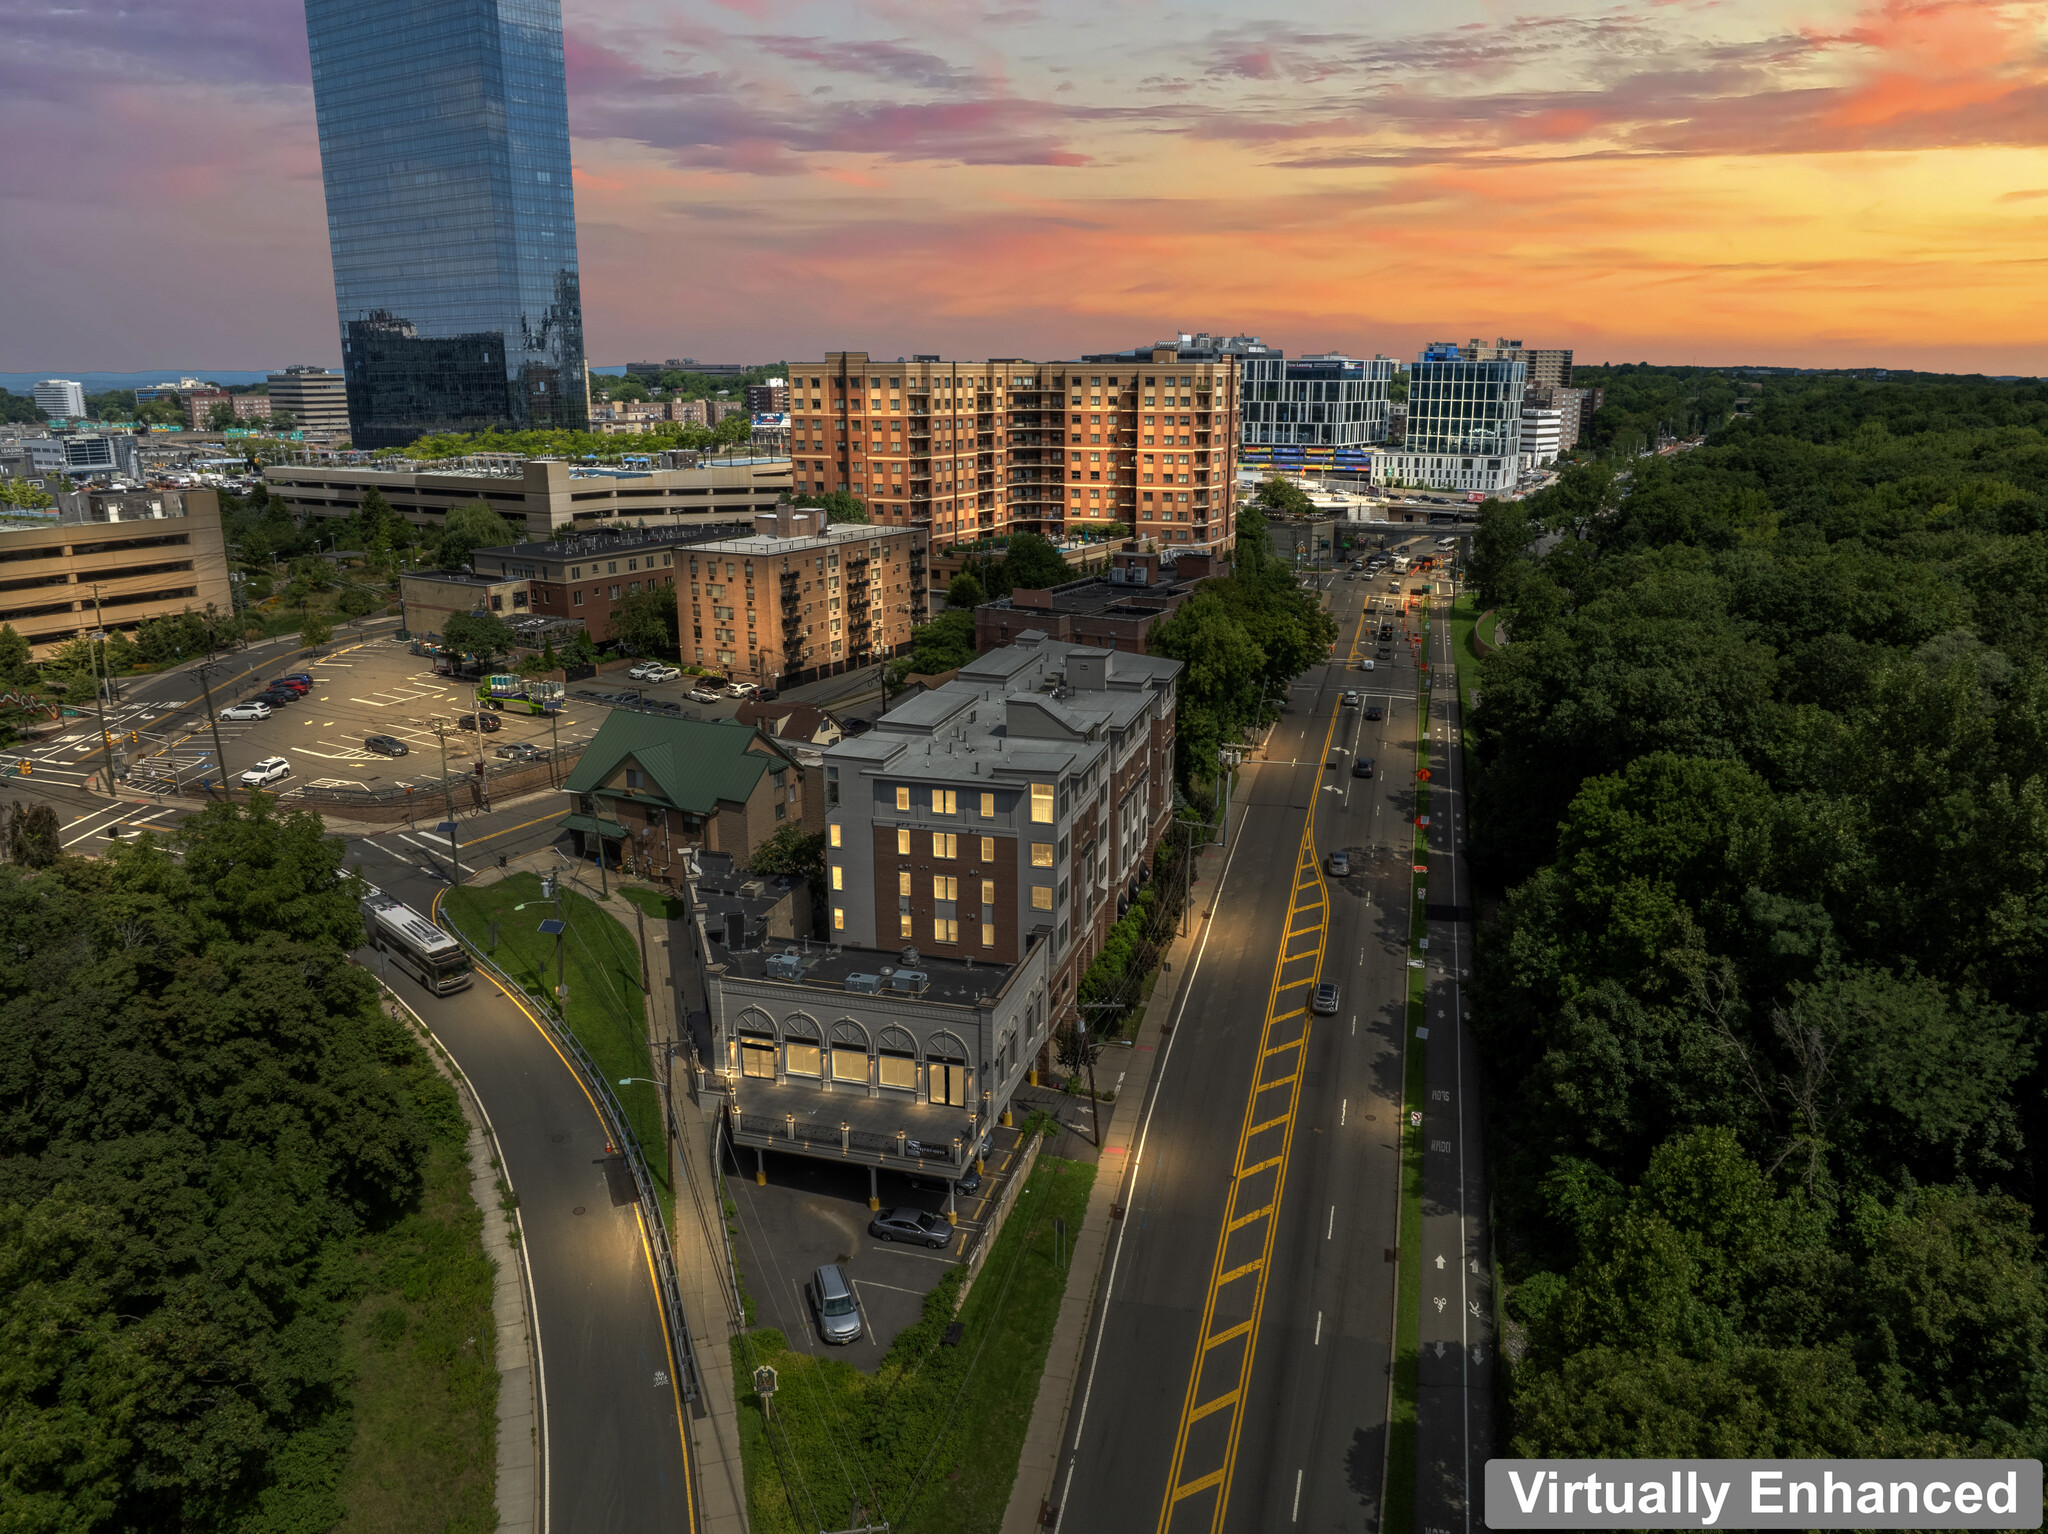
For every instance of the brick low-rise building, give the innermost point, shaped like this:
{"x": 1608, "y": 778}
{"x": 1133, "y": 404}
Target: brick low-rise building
{"x": 581, "y": 578}
{"x": 801, "y": 598}
{"x": 981, "y": 449}
{"x": 1114, "y": 611}
{"x": 1019, "y": 802}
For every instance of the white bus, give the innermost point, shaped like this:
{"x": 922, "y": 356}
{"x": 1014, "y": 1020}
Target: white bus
{"x": 1401, "y": 564}
{"x": 422, "y": 950}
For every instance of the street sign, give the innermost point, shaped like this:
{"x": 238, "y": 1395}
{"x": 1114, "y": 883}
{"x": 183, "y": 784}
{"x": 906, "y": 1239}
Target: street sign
{"x": 554, "y": 928}
{"x": 447, "y": 828}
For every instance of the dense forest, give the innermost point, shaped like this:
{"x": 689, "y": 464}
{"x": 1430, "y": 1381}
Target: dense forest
{"x": 1760, "y": 789}
{"x": 204, "y": 1115}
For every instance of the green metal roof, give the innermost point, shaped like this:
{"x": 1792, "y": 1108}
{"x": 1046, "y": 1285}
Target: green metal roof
{"x": 591, "y": 825}
{"x": 691, "y": 763}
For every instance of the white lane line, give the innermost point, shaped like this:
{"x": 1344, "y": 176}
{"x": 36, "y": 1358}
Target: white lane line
{"x": 1319, "y": 1329}
{"x": 1331, "y": 1229}
{"x": 1297, "y": 1498}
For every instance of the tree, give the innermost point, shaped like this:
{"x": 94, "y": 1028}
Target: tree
{"x": 792, "y": 851}
{"x": 964, "y": 591}
{"x": 220, "y": 415}
{"x": 735, "y": 430}
{"x": 626, "y": 388}
{"x": 359, "y": 601}
{"x": 19, "y": 493}
{"x": 1283, "y": 497}
{"x": 315, "y": 632}
{"x": 381, "y": 527}
{"x": 648, "y": 621}
{"x": 33, "y": 835}
{"x": 1397, "y": 388}
{"x": 838, "y": 505}
{"x": 481, "y": 636}
{"x": 17, "y": 656}
{"x": 1031, "y": 563}
{"x": 1222, "y": 689}
{"x": 944, "y": 644}
{"x": 283, "y": 420}
{"x": 471, "y": 526}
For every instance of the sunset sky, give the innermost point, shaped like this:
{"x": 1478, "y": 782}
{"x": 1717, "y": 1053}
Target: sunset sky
{"x": 1699, "y": 180}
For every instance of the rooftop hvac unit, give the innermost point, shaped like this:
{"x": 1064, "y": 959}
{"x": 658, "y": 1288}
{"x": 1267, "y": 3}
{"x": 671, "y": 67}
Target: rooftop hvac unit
{"x": 910, "y": 956}
{"x": 735, "y": 929}
{"x": 912, "y": 981}
{"x": 867, "y": 985}
{"x": 785, "y": 966}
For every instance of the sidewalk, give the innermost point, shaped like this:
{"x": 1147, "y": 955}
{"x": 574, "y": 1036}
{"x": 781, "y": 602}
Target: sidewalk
{"x": 1035, "y": 1490}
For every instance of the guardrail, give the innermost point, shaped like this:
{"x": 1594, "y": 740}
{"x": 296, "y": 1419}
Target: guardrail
{"x": 628, "y": 1145}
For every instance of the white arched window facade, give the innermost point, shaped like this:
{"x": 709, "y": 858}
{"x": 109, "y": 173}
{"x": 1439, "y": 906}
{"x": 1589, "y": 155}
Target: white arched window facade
{"x": 896, "y": 1060}
{"x": 850, "y": 1054}
{"x": 949, "y": 1079}
{"x": 802, "y": 1048}
{"x": 753, "y": 1046}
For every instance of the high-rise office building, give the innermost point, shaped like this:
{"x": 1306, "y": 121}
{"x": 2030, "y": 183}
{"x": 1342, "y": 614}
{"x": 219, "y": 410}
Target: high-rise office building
{"x": 1550, "y": 367}
{"x": 1323, "y": 400}
{"x": 316, "y": 399}
{"x": 1464, "y": 423}
{"x": 60, "y": 398}
{"x": 444, "y": 145}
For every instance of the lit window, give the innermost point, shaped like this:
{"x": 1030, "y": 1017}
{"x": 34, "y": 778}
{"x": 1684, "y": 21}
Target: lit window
{"x": 988, "y": 935}
{"x": 903, "y": 882}
{"x": 903, "y": 796}
{"x": 1041, "y": 854}
{"x": 1041, "y": 897}
{"x": 838, "y": 877}
{"x": 945, "y": 887}
{"x": 988, "y": 806}
{"x": 832, "y": 834}
{"x": 903, "y": 926}
{"x": 903, "y": 841}
{"x": 1041, "y": 804}
{"x": 945, "y": 930}
{"x": 839, "y": 918}
{"x": 988, "y": 892}
{"x": 988, "y": 849}
{"x": 944, "y": 801}
{"x": 945, "y": 844}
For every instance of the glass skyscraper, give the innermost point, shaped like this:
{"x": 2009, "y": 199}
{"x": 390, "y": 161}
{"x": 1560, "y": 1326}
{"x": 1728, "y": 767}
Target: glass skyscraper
{"x": 1464, "y": 423}
{"x": 444, "y": 145}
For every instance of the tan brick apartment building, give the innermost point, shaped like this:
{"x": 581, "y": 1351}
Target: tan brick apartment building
{"x": 980, "y": 449}
{"x": 800, "y": 598}
{"x": 1023, "y": 797}
{"x": 60, "y": 579}
{"x": 583, "y": 576}
{"x": 547, "y": 495}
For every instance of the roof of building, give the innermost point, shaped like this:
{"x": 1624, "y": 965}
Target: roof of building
{"x": 764, "y": 544}
{"x": 955, "y": 982}
{"x": 694, "y": 763}
{"x": 598, "y": 544}
{"x": 792, "y": 721}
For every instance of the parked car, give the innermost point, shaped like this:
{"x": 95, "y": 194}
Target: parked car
{"x": 835, "y": 1305}
{"x": 743, "y": 690}
{"x": 298, "y": 676}
{"x": 520, "y": 751}
{"x": 1362, "y": 768}
{"x": 386, "y": 745}
{"x": 640, "y": 672}
{"x": 1325, "y": 1002}
{"x": 765, "y": 695}
{"x": 910, "y": 1225}
{"x": 276, "y": 697}
{"x": 489, "y": 724}
{"x": 254, "y": 709}
{"x": 699, "y": 695}
{"x": 267, "y": 771}
{"x": 662, "y": 673}
{"x": 924, "y": 1181}
{"x": 1340, "y": 865}
{"x": 294, "y": 685}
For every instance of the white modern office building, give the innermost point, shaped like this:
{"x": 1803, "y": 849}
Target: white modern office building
{"x": 1464, "y": 424}
{"x": 1542, "y": 434}
{"x": 1324, "y": 399}
{"x": 61, "y": 398}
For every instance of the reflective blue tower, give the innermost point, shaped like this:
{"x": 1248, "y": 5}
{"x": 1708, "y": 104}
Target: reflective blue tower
{"x": 444, "y": 145}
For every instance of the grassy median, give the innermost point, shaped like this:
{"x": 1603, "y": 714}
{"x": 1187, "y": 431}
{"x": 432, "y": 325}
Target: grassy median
{"x": 930, "y": 1442}
{"x": 601, "y": 967}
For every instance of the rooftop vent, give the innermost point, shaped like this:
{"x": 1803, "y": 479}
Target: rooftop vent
{"x": 910, "y": 956}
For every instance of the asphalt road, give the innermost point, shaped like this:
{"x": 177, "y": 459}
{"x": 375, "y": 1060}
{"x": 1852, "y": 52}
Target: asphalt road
{"x": 1264, "y": 1200}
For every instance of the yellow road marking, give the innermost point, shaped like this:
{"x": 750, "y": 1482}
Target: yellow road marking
{"x": 557, "y": 815}
{"x": 1235, "y": 1332}
{"x": 1308, "y": 878}
{"x": 1240, "y": 1222}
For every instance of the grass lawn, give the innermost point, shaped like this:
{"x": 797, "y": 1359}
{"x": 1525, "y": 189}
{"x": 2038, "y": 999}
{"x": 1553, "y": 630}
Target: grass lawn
{"x": 601, "y": 967}
{"x": 423, "y": 1457}
{"x": 931, "y": 1441}
{"x": 654, "y": 903}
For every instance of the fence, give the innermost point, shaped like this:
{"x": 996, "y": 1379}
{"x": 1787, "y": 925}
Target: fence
{"x": 622, "y": 1136}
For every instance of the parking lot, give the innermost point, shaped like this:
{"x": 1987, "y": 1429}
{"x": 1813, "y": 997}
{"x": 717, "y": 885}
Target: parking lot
{"x": 814, "y": 1212}
{"x": 378, "y": 687}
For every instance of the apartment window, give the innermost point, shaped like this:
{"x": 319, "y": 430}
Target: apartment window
{"x": 1041, "y": 804}
{"x": 903, "y": 841}
{"x": 802, "y": 1059}
{"x": 1041, "y": 897}
{"x": 945, "y": 844}
{"x": 898, "y": 1071}
{"x": 945, "y": 801}
{"x": 945, "y": 930}
{"x": 838, "y": 877}
{"x": 988, "y": 934}
{"x": 1041, "y": 854}
{"x": 615, "y": 593}
{"x": 903, "y": 926}
{"x": 849, "y": 1063}
{"x": 757, "y": 1059}
{"x": 903, "y": 883}
{"x": 633, "y": 777}
{"x": 576, "y": 598}
{"x": 988, "y": 892}
{"x": 902, "y": 796}
{"x": 988, "y": 849}
{"x": 945, "y": 887}
{"x": 988, "y": 806}
{"x": 839, "y": 918}
{"x": 832, "y": 834}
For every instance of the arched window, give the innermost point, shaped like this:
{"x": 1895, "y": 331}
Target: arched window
{"x": 849, "y": 1052}
{"x": 898, "y": 1059}
{"x": 757, "y": 1044}
{"x": 946, "y": 1057}
{"x": 802, "y": 1054}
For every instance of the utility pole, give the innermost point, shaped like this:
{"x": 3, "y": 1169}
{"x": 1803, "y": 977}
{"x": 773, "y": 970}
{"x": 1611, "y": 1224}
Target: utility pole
{"x": 99, "y": 702}
{"x": 220, "y": 760}
{"x": 555, "y": 740}
{"x": 447, "y": 794}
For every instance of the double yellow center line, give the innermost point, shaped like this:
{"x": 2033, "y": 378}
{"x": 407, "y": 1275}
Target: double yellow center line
{"x": 1212, "y": 1411}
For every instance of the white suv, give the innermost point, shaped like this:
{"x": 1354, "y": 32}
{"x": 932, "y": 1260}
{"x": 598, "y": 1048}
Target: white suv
{"x": 246, "y": 711}
{"x": 657, "y": 672}
{"x": 267, "y": 771}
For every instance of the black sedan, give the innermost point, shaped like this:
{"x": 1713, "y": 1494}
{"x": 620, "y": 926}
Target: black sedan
{"x": 489, "y": 724}
{"x": 1375, "y": 713}
{"x": 910, "y": 1225}
{"x": 970, "y": 1182}
{"x": 276, "y": 697}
